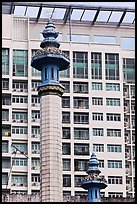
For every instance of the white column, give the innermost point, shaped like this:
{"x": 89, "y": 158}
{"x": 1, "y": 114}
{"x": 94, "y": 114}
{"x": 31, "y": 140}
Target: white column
{"x": 51, "y": 149}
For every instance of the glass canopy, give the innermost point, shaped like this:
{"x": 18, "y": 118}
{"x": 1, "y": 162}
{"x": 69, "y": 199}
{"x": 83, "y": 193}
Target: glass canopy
{"x": 39, "y": 11}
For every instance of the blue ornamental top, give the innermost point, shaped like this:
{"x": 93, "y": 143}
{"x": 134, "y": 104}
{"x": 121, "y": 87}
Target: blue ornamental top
{"x": 50, "y": 36}
{"x": 50, "y": 52}
{"x": 93, "y": 165}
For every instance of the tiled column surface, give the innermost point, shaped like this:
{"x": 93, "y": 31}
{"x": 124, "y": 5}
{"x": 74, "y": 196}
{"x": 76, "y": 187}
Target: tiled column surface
{"x": 51, "y": 149}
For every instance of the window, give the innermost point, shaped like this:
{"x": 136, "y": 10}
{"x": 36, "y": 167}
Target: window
{"x": 81, "y": 118}
{"x": 80, "y": 164}
{"x": 20, "y": 86}
{"x": 114, "y": 179}
{"x": 133, "y": 121}
{"x": 112, "y": 66}
{"x": 129, "y": 69}
{"x": 80, "y": 87}
{"x": 104, "y": 39}
{"x": 78, "y": 38}
{"x": 35, "y": 146}
{"x": 35, "y": 130}
{"x": 114, "y": 164}
{"x": 19, "y": 130}
{"x": 6, "y": 130}
{"x": 34, "y": 85}
{"x": 81, "y": 133}
{"x": 114, "y": 132}
{"x": 101, "y": 163}
{"x": 6, "y": 163}
{"x": 5, "y": 61}
{"x": 4, "y": 178}
{"x": 66, "y": 165}
{"x": 96, "y": 65}
{"x": 19, "y": 117}
{"x": 66, "y": 132}
{"x": 19, "y": 162}
{"x": 20, "y": 180}
{"x": 80, "y": 65}
{"x": 35, "y": 163}
{"x": 113, "y": 101}
{"x": 98, "y": 147}
{"x": 66, "y": 193}
{"x": 112, "y": 87}
{"x": 97, "y": 101}
{"x": 6, "y": 99}
{"x": 5, "y": 146}
{"x": 65, "y": 102}
{"x": 20, "y": 146}
{"x": 5, "y": 115}
{"x": 65, "y": 117}
{"x": 66, "y": 150}
{"x": 133, "y": 107}
{"x": 81, "y": 149}
{"x": 113, "y": 117}
{"x": 35, "y": 114}
{"x": 114, "y": 148}
{"x": 35, "y": 99}
{"x": 5, "y": 84}
{"x": 97, "y": 116}
{"x": 115, "y": 194}
{"x": 19, "y": 99}
{"x": 35, "y": 178}
{"x": 66, "y": 180}
{"x": 65, "y": 73}
{"x": 77, "y": 180}
{"x": 132, "y": 91}
{"x": 20, "y": 63}
{"x": 81, "y": 103}
{"x": 128, "y": 43}
{"x": 35, "y": 72}
{"x": 66, "y": 84}
{"x": 96, "y": 86}
{"x": 98, "y": 132}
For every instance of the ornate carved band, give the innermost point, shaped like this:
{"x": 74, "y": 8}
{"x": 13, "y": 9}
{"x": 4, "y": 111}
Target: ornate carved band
{"x": 50, "y": 89}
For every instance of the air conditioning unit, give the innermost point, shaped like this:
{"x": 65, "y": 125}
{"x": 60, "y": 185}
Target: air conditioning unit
{"x": 21, "y": 121}
{"x": 21, "y": 90}
{"x": 13, "y": 121}
{"x": 34, "y": 135}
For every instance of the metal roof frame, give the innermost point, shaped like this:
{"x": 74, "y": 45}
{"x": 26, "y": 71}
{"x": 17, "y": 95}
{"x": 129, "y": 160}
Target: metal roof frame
{"x": 9, "y": 8}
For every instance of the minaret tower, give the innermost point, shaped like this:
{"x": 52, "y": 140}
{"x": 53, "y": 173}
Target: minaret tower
{"x": 93, "y": 182}
{"x": 50, "y": 60}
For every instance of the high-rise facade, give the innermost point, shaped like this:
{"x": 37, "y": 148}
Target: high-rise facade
{"x": 98, "y": 106}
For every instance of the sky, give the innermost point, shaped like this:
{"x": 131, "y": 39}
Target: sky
{"x": 107, "y": 4}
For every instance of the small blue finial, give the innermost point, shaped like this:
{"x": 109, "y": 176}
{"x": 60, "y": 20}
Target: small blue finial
{"x": 50, "y": 36}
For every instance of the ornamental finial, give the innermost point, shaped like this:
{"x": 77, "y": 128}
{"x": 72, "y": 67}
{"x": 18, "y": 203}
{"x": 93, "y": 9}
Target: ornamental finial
{"x": 50, "y": 34}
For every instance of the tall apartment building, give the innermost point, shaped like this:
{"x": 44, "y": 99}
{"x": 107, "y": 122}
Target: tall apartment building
{"x": 98, "y": 106}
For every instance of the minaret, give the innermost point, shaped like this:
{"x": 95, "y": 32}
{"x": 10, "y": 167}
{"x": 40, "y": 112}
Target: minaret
{"x": 93, "y": 182}
{"x": 50, "y": 60}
